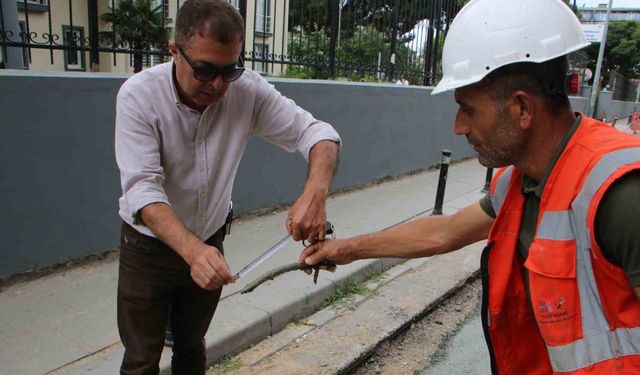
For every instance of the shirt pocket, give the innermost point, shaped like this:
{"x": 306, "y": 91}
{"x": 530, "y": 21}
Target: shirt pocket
{"x": 553, "y": 288}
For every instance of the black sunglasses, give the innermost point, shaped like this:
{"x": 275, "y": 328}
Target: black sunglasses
{"x": 203, "y": 71}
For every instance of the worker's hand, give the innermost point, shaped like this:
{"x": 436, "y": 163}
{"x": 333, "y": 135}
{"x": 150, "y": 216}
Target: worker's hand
{"x": 329, "y": 251}
{"x": 307, "y": 217}
{"x": 209, "y": 269}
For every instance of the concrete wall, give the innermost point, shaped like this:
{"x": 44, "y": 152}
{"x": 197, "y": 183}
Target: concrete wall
{"x": 60, "y": 184}
{"x": 579, "y": 103}
{"x": 607, "y": 107}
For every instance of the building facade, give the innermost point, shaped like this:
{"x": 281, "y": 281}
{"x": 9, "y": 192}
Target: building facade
{"x": 69, "y": 23}
{"x": 599, "y": 14}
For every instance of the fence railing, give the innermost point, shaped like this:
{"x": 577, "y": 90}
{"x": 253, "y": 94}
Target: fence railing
{"x": 364, "y": 40}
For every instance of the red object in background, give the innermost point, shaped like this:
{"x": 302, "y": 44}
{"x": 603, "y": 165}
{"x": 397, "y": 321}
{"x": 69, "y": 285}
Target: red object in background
{"x": 574, "y": 83}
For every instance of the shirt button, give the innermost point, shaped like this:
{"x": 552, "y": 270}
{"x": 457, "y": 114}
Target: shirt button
{"x": 202, "y": 195}
{"x": 201, "y": 169}
{"x": 200, "y": 141}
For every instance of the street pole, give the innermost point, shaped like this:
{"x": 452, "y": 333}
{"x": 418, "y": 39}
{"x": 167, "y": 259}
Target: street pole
{"x": 596, "y": 77}
{"x": 339, "y": 24}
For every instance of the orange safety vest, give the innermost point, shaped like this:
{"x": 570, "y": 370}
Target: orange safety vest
{"x": 583, "y": 317}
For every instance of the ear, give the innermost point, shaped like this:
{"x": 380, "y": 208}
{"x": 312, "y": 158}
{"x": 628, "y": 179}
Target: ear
{"x": 173, "y": 50}
{"x": 522, "y": 106}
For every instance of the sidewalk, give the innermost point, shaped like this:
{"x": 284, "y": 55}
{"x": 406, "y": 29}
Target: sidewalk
{"x": 65, "y": 323}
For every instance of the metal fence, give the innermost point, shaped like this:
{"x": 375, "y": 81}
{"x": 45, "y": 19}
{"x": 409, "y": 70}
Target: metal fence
{"x": 623, "y": 89}
{"x": 363, "y": 40}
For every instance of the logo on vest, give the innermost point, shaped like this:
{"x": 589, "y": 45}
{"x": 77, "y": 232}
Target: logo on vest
{"x": 553, "y": 311}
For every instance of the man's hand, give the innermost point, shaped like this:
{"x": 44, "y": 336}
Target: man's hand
{"x": 329, "y": 251}
{"x": 307, "y": 217}
{"x": 209, "y": 269}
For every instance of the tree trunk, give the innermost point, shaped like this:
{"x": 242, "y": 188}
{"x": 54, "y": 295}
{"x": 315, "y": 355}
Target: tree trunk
{"x": 137, "y": 62}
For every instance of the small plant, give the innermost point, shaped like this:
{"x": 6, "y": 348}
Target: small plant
{"x": 226, "y": 365}
{"x": 374, "y": 276}
{"x": 344, "y": 295}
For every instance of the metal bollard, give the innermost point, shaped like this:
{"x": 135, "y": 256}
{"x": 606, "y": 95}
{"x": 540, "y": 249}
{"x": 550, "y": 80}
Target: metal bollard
{"x": 487, "y": 180}
{"x": 442, "y": 182}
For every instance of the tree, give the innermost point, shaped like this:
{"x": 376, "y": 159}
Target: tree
{"x": 622, "y": 51}
{"x": 357, "y": 58}
{"x": 380, "y": 14}
{"x": 138, "y": 25}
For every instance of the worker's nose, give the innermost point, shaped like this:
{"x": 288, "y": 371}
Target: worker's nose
{"x": 460, "y": 126}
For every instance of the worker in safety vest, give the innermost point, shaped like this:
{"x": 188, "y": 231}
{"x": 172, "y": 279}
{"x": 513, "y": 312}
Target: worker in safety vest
{"x": 561, "y": 269}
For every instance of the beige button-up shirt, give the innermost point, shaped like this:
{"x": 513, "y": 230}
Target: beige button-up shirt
{"x": 170, "y": 153}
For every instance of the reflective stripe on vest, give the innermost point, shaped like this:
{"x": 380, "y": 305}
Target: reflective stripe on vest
{"x": 599, "y": 343}
{"x": 502, "y": 187}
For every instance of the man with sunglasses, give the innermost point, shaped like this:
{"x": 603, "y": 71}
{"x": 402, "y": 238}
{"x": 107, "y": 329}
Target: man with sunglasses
{"x": 181, "y": 129}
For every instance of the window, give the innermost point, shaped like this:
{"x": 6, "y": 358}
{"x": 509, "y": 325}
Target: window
{"x": 165, "y": 6}
{"x": 73, "y": 56}
{"x": 33, "y": 5}
{"x": 235, "y": 3}
{"x": 261, "y": 53}
{"x": 263, "y": 18}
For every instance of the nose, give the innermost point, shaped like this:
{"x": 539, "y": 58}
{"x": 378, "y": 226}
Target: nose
{"x": 461, "y": 126}
{"x": 217, "y": 83}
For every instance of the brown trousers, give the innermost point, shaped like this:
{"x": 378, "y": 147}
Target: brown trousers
{"x": 153, "y": 278}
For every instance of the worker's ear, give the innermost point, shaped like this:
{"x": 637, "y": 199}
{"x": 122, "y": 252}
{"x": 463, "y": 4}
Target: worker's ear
{"x": 521, "y": 106}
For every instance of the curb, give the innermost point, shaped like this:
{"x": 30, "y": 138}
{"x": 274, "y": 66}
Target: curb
{"x": 325, "y": 345}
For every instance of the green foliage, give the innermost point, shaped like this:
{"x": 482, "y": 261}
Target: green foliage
{"x": 136, "y": 24}
{"x": 227, "y": 364}
{"x": 622, "y": 51}
{"x": 344, "y": 295}
{"x": 380, "y": 14}
{"x": 355, "y": 58}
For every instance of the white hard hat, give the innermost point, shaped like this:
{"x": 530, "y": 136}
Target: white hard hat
{"x": 489, "y": 34}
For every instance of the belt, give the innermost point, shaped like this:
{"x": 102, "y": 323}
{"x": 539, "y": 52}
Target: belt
{"x": 131, "y": 237}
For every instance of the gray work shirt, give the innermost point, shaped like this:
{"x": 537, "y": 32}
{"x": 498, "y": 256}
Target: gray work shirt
{"x": 172, "y": 154}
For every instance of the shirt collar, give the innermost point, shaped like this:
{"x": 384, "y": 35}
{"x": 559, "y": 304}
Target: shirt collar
{"x": 529, "y": 184}
{"x": 174, "y": 88}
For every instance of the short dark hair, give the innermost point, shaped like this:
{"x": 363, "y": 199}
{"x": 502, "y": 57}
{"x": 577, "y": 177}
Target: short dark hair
{"x": 216, "y": 18}
{"x": 547, "y": 80}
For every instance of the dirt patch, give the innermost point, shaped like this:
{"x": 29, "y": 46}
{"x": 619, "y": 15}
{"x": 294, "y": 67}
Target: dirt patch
{"x": 424, "y": 343}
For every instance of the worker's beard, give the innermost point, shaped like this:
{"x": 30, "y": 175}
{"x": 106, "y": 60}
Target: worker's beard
{"x": 505, "y": 145}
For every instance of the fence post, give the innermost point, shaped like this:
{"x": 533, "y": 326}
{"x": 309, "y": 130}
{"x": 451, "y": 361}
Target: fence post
{"x": 94, "y": 56}
{"x": 394, "y": 36}
{"x": 242, "y": 7}
{"x": 442, "y": 181}
{"x": 333, "y": 22}
{"x": 428, "y": 77}
{"x": 487, "y": 180}
{"x": 436, "y": 50}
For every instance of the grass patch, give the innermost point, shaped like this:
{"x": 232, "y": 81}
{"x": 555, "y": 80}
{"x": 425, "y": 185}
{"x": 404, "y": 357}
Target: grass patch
{"x": 374, "y": 276}
{"x": 344, "y": 295}
{"x": 227, "y": 364}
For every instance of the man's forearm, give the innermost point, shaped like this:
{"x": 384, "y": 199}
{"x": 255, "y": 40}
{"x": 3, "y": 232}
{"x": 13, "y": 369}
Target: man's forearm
{"x": 323, "y": 159}
{"x": 424, "y": 237}
{"x": 164, "y": 223}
